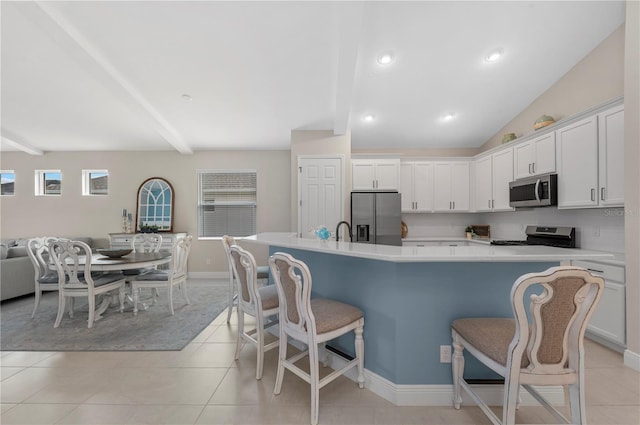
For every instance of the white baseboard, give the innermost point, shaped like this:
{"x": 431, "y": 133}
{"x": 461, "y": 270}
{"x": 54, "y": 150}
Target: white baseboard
{"x": 440, "y": 395}
{"x": 632, "y": 360}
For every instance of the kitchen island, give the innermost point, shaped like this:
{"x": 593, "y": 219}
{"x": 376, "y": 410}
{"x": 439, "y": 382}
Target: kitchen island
{"x": 410, "y": 295}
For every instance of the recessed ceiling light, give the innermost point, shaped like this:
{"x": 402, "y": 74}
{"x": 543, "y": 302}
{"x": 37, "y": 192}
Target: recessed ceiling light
{"x": 369, "y": 118}
{"x": 448, "y": 117}
{"x": 186, "y": 97}
{"x": 494, "y": 55}
{"x": 385, "y": 58}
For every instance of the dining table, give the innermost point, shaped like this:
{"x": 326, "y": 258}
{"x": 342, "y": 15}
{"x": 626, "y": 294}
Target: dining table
{"x": 134, "y": 260}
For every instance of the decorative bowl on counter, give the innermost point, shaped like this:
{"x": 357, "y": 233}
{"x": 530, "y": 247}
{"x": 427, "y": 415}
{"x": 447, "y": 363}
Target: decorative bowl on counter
{"x": 114, "y": 253}
{"x": 404, "y": 230}
{"x": 322, "y": 233}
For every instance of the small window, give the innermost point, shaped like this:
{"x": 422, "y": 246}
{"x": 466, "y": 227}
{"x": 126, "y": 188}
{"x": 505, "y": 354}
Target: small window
{"x": 48, "y": 182}
{"x": 95, "y": 182}
{"x": 8, "y": 182}
{"x": 227, "y": 202}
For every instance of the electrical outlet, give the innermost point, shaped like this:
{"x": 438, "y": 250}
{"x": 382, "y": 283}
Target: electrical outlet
{"x": 445, "y": 354}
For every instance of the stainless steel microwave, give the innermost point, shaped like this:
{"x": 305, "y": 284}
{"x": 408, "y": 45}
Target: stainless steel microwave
{"x": 538, "y": 191}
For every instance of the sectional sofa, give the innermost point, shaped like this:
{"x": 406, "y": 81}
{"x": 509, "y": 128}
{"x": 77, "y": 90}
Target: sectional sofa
{"x": 16, "y": 270}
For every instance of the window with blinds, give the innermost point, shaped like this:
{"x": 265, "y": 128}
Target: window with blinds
{"x": 227, "y": 203}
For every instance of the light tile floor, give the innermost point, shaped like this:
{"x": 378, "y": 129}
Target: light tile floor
{"x": 202, "y": 384}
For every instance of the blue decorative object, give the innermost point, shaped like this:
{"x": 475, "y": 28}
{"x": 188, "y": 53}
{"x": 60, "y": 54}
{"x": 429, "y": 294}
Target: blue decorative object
{"x": 323, "y": 233}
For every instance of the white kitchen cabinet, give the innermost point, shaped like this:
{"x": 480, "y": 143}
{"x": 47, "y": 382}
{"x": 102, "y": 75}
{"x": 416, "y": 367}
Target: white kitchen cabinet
{"x": 483, "y": 183}
{"x": 535, "y": 157}
{"x": 611, "y": 157}
{"x": 375, "y": 174}
{"x": 416, "y": 186}
{"x": 123, "y": 240}
{"x": 491, "y": 181}
{"x": 451, "y": 186}
{"x": 577, "y": 156}
{"x": 608, "y": 320}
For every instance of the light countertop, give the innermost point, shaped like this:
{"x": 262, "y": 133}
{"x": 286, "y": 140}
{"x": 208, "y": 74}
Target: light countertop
{"x": 476, "y": 252}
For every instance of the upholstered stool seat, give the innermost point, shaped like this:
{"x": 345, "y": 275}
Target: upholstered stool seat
{"x": 331, "y": 315}
{"x": 269, "y": 297}
{"x": 491, "y": 335}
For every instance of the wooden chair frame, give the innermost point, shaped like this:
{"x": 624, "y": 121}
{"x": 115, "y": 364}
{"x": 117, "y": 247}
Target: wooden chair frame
{"x": 262, "y": 274}
{"x": 175, "y": 276}
{"x": 44, "y": 278}
{"x": 246, "y": 278}
{"x": 75, "y": 280}
{"x": 528, "y": 339}
{"x": 301, "y": 325}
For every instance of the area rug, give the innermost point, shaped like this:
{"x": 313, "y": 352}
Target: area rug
{"x": 152, "y": 329}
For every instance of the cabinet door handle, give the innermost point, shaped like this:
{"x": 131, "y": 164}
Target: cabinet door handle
{"x": 596, "y": 271}
{"x": 593, "y": 194}
{"x": 602, "y": 193}
{"x": 493, "y": 203}
{"x": 489, "y": 203}
{"x": 530, "y": 172}
{"x": 454, "y": 205}
{"x": 533, "y": 167}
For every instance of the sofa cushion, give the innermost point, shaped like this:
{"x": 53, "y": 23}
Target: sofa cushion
{"x": 8, "y": 242}
{"x": 17, "y": 251}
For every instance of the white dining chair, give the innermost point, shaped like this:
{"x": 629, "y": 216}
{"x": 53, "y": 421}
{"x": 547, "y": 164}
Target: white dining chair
{"x": 541, "y": 345}
{"x": 72, "y": 260}
{"x": 45, "y": 278}
{"x": 312, "y": 322}
{"x": 262, "y": 274}
{"x": 175, "y": 276}
{"x": 259, "y": 302}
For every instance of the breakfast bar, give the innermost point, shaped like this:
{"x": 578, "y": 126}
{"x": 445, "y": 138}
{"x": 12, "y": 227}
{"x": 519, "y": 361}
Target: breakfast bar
{"x": 411, "y": 294}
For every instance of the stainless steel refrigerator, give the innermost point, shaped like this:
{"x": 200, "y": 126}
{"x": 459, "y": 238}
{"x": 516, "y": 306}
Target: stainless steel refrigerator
{"x": 375, "y": 217}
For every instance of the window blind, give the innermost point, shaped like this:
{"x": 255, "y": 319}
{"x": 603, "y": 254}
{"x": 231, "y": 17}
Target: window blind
{"x": 227, "y": 203}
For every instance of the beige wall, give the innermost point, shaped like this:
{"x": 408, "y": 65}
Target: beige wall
{"x": 594, "y": 80}
{"x": 632, "y": 177}
{"x": 319, "y": 142}
{"x": 25, "y": 215}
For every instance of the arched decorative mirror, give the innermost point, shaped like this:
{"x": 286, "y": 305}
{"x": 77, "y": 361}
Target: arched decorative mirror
{"x": 155, "y": 206}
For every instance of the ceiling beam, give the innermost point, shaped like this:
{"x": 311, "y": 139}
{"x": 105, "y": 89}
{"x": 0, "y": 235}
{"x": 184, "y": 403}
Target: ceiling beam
{"x": 162, "y": 126}
{"x": 350, "y": 28}
{"x": 10, "y": 139}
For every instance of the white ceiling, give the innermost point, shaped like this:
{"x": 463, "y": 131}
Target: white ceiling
{"x": 97, "y": 76}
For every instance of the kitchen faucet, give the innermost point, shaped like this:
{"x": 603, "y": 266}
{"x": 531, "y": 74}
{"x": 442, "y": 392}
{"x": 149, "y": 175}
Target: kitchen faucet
{"x": 348, "y": 228}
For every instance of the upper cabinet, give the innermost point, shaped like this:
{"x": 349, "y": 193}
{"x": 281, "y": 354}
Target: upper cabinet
{"x": 416, "y": 186}
{"x": 590, "y": 155}
{"x": 375, "y": 174}
{"x": 537, "y": 156}
{"x": 451, "y": 186}
{"x": 492, "y": 174}
{"x": 611, "y": 157}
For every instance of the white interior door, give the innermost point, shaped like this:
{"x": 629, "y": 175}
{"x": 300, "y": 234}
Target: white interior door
{"x": 320, "y": 193}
